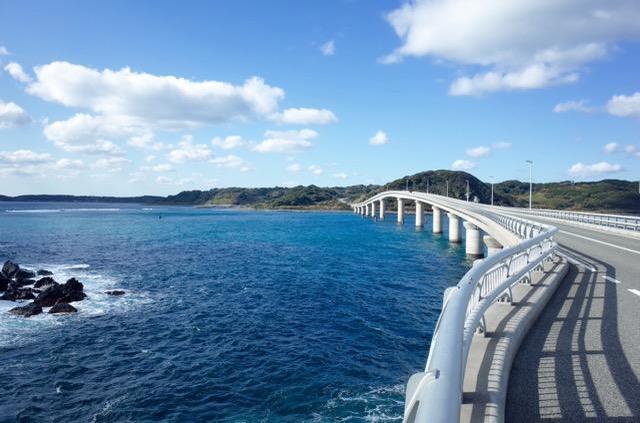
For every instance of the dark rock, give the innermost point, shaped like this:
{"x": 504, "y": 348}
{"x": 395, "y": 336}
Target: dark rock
{"x": 24, "y": 282}
{"x": 14, "y": 293}
{"x": 68, "y": 292}
{"x": 4, "y": 282}
{"x": 29, "y": 310}
{"x": 44, "y": 282}
{"x": 23, "y": 275}
{"x": 116, "y": 292}
{"x": 43, "y": 272}
{"x": 10, "y": 268}
{"x": 62, "y": 308}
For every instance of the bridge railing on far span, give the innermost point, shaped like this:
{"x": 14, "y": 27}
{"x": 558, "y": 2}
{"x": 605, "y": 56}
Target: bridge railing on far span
{"x": 620, "y": 222}
{"x": 435, "y": 395}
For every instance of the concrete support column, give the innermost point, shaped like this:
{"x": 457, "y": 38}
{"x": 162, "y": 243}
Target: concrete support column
{"x": 400, "y": 210}
{"x": 493, "y": 246}
{"x": 381, "y": 209}
{"x": 473, "y": 240}
{"x": 454, "y": 228}
{"x": 373, "y": 209}
{"x": 366, "y": 210}
{"x": 419, "y": 214}
{"x": 437, "y": 220}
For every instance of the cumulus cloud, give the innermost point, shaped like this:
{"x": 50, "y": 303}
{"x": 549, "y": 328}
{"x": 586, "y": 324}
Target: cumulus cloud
{"x": 295, "y": 167}
{"x": 478, "y": 152}
{"x": 286, "y": 142}
{"x": 341, "y": 175}
{"x": 380, "y": 138}
{"x": 228, "y": 143}
{"x": 146, "y": 141}
{"x": 574, "y": 106}
{"x": 87, "y": 134}
{"x": 601, "y": 168}
{"x": 622, "y": 105}
{"x": 110, "y": 164}
{"x": 30, "y": 163}
{"x": 525, "y": 44}
{"x": 306, "y": 116}
{"x": 328, "y": 48}
{"x": 4, "y": 51}
{"x": 501, "y": 145}
{"x": 12, "y": 115}
{"x": 15, "y": 70}
{"x": 231, "y": 161}
{"x": 315, "y": 169}
{"x": 187, "y": 151}
{"x": 611, "y": 147}
{"x": 463, "y": 165}
{"x": 23, "y": 157}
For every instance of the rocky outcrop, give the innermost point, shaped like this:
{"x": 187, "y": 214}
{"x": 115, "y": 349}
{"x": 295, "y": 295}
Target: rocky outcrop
{"x": 43, "y": 272}
{"x": 29, "y": 310}
{"x": 15, "y": 293}
{"x": 9, "y": 269}
{"x": 70, "y": 291}
{"x": 115, "y": 292}
{"x": 62, "y": 308}
{"x": 45, "y": 282}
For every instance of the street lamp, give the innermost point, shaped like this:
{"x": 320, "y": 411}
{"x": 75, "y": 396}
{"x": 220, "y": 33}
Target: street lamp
{"x": 491, "y": 177}
{"x": 530, "y": 181}
{"x": 447, "y": 187}
{"x": 467, "y": 190}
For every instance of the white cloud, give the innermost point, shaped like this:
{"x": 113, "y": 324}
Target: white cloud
{"x": 187, "y": 151}
{"x": 144, "y": 98}
{"x": 15, "y": 70}
{"x": 524, "y": 44}
{"x": 380, "y": 138}
{"x": 574, "y": 106}
{"x": 306, "y": 116}
{"x": 87, "y": 134}
{"x": 12, "y": 115}
{"x": 501, "y": 145}
{"x": 629, "y": 148}
{"x": 315, "y": 169}
{"x": 149, "y": 158}
{"x": 165, "y": 180}
{"x": 4, "y": 51}
{"x": 231, "y": 161}
{"x": 30, "y": 163}
{"x": 328, "y": 48}
{"x": 621, "y": 105}
{"x": 23, "y": 157}
{"x": 478, "y": 151}
{"x": 463, "y": 165}
{"x": 611, "y": 147}
{"x": 341, "y": 175}
{"x": 163, "y": 167}
{"x": 228, "y": 143}
{"x": 295, "y": 167}
{"x": 146, "y": 141}
{"x": 110, "y": 164}
{"x": 601, "y": 168}
{"x": 286, "y": 142}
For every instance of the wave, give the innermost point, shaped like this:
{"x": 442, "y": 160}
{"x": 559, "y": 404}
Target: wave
{"x": 379, "y": 404}
{"x": 66, "y": 210}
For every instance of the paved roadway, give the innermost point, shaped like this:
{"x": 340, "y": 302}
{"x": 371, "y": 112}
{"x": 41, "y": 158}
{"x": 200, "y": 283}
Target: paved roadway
{"x": 581, "y": 359}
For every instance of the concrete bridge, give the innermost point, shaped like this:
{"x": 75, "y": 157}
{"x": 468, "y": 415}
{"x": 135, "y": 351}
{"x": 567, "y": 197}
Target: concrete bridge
{"x": 498, "y": 353}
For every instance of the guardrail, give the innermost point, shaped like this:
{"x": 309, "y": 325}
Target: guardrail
{"x": 629, "y": 223}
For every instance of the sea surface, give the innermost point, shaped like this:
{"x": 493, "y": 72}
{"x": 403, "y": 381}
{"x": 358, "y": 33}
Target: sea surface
{"x": 229, "y": 315}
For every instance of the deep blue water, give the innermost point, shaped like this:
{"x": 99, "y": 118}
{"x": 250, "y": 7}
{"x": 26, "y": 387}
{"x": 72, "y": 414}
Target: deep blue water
{"x": 230, "y": 315}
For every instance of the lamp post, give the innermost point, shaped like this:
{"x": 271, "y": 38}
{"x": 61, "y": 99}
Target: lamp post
{"x": 447, "y": 187}
{"x": 530, "y": 181}
{"x": 491, "y": 177}
{"x": 467, "y": 190}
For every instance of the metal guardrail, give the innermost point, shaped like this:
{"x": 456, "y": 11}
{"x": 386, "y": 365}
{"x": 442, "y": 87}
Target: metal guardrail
{"x": 630, "y": 223}
{"x": 435, "y": 395}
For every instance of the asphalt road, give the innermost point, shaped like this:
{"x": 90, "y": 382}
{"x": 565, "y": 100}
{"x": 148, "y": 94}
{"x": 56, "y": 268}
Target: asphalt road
{"x": 581, "y": 359}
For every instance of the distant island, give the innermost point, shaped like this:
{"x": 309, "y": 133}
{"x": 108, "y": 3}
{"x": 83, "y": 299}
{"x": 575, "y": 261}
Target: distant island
{"x": 609, "y": 195}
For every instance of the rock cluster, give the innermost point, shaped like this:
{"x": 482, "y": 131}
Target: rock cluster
{"x": 21, "y": 284}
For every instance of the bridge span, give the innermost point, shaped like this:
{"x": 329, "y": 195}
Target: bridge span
{"x": 580, "y": 360}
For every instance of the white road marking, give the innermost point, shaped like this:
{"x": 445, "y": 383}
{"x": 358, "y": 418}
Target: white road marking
{"x": 634, "y": 291}
{"x": 610, "y": 279}
{"x": 602, "y": 242}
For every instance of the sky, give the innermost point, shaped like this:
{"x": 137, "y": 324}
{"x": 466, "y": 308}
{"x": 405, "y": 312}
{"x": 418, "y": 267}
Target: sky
{"x": 156, "y": 97}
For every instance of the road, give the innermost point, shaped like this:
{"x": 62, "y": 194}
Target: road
{"x": 581, "y": 360}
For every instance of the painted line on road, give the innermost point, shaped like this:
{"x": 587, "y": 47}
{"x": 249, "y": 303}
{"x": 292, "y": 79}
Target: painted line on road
{"x": 610, "y": 279}
{"x": 601, "y": 242}
{"x": 634, "y": 291}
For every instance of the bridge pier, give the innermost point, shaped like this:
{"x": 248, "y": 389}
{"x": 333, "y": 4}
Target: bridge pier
{"x": 437, "y": 220}
{"x": 454, "y": 228}
{"x": 473, "y": 240}
{"x": 381, "y": 209}
{"x": 419, "y": 214}
{"x": 400, "y": 211}
{"x": 493, "y": 246}
{"x": 366, "y": 210}
{"x": 373, "y": 209}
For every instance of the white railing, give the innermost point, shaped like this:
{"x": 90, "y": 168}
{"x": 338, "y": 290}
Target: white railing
{"x": 435, "y": 395}
{"x": 629, "y": 223}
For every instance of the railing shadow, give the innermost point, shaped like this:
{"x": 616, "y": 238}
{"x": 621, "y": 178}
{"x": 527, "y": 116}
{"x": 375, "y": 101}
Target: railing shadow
{"x": 572, "y": 366}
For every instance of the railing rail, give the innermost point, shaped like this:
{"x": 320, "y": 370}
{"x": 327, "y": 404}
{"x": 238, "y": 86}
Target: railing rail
{"x": 435, "y": 395}
{"x": 624, "y": 222}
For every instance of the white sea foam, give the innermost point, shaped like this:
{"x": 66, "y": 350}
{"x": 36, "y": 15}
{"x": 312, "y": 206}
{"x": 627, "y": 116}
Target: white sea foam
{"x": 65, "y": 210}
{"x": 34, "y": 211}
{"x": 16, "y": 329}
{"x": 379, "y": 403}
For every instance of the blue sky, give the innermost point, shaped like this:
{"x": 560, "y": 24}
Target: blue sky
{"x": 125, "y": 98}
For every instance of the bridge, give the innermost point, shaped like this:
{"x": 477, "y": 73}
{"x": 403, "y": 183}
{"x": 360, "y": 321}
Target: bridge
{"x": 544, "y": 327}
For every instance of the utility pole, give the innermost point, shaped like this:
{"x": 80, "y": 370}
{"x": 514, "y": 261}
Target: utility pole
{"x": 530, "y": 181}
{"x": 467, "y": 190}
{"x": 491, "y": 177}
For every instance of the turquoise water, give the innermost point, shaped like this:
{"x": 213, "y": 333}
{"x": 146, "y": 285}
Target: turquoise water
{"x": 230, "y": 315}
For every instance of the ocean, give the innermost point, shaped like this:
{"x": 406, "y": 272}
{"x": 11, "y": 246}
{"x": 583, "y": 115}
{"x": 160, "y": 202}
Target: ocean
{"x": 229, "y": 315}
